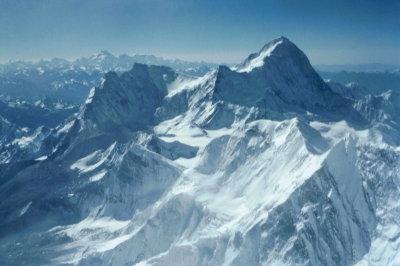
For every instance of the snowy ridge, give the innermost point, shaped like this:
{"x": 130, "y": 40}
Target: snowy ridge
{"x": 264, "y": 164}
{"x": 257, "y": 60}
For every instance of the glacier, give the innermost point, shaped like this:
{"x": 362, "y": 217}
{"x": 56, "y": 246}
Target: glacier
{"x": 264, "y": 163}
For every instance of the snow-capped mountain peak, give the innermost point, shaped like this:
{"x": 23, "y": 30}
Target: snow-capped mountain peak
{"x": 256, "y": 60}
{"x": 280, "y": 47}
{"x": 260, "y": 165}
{"x": 103, "y": 55}
{"x": 281, "y": 79}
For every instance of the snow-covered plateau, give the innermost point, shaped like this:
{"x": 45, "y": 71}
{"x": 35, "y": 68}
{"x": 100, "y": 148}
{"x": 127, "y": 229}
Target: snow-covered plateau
{"x": 264, "y": 163}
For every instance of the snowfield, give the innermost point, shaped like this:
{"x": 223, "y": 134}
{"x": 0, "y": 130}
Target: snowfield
{"x": 261, "y": 164}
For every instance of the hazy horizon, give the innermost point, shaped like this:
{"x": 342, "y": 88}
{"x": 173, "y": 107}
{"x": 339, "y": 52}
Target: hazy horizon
{"x": 340, "y": 32}
{"x": 72, "y": 59}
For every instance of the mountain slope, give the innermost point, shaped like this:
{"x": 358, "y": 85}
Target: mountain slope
{"x": 260, "y": 164}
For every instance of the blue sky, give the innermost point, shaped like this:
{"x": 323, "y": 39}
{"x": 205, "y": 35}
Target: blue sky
{"x": 329, "y": 32}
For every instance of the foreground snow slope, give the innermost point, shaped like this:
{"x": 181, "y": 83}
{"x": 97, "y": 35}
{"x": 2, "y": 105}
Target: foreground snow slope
{"x": 262, "y": 164}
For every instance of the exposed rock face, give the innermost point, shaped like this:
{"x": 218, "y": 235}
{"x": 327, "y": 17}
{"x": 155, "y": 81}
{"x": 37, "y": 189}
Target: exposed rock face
{"x": 130, "y": 100}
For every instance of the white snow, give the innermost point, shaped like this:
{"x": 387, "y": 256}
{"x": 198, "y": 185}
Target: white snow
{"x": 182, "y": 83}
{"x": 59, "y": 106}
{"x": 259, "y": 60}
{"x": 40, "y": 70}
{"x": 42, "y": 158}
{"x": 25, "y": 209}
{"x": 23, "y": 142}
{"x": 90, "y": 96}
{"x": 97, "y": 177}
{"x": 238, "y": 178}
{"x": 252, "y": 190}
{"x": 93, "y": 160}
{"x": 66, "y": 127}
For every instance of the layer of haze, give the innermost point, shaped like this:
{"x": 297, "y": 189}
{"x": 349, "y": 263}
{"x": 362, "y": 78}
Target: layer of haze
{"x": 330, "y": 32}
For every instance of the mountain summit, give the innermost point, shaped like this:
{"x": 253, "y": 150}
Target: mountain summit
{"x": 281, "y": 48}
{"x": 280, "y": 80}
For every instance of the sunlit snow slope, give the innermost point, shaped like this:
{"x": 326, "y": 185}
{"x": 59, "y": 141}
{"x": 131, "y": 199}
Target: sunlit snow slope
{"x": 261, "y": 164}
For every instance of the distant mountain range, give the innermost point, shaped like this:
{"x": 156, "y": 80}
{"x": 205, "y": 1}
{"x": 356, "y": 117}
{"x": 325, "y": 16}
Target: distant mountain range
{"x": 71, "y": 80}
{"x": 376, "y": 82}
{"x": 358, "y": 68}
{"x": 104, "y": 61}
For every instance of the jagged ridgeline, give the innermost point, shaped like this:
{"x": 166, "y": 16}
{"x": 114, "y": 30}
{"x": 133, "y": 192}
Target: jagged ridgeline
{"x": 259, "y": 164}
